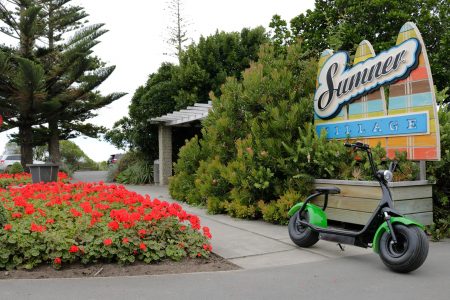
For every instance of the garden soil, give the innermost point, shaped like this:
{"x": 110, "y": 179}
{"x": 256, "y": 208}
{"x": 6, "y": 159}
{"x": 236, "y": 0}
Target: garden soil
{"x": 213, "y": 263}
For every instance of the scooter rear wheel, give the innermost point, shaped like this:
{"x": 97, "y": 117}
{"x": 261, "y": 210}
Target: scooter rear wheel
{"x": 410, "y": 251}
{"x": 301, "y": 235}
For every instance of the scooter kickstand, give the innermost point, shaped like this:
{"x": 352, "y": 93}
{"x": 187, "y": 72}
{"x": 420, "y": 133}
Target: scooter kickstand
{"x": 342, "y": 247}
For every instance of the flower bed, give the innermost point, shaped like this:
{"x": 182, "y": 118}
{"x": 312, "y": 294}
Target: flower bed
{"x": 61, "y": 223}
{"x": 24, "y": 178}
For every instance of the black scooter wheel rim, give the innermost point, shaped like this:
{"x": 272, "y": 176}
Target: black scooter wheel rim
{"x": 398, "y": 249}
{"x": 300, "y": 234}
{"x": 300, "y": 228}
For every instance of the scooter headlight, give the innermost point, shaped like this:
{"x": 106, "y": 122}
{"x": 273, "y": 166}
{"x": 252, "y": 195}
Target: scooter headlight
{"x": 388, "y": 175}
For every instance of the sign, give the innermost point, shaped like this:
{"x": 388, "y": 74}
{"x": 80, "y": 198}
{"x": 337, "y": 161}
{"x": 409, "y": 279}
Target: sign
{"x": 350, "y": 102}
{"x": 339, "y": 85}
{"x": 401, "y": 125}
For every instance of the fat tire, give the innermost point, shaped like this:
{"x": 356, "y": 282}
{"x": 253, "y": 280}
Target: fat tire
{"x": 412, "y": 257}
{"x": 305, "y": 238}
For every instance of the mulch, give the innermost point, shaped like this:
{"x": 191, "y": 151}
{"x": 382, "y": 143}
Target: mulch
{"x": 212, "y": 264}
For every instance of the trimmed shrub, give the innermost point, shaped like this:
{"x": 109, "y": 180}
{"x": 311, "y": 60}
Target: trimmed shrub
{"x": 182, "y": 186}
{"x": 277, "y": 211}
{"x": 211, "y": 185}
{"x": 440, "y": 173}
{"x": 240, "y": 159}
{"x": 15, "y": 168}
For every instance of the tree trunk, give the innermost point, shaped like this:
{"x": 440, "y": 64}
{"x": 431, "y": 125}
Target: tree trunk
{"x": 26, "y": 145}
{"x": 53, "y": 142}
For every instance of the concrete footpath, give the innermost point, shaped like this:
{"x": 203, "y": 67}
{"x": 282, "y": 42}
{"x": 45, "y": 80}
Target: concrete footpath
{"x": 254, "y": 244}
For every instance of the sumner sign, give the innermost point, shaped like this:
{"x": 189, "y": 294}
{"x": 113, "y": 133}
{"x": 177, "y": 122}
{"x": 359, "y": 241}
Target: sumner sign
{"x": 350, "y": 102}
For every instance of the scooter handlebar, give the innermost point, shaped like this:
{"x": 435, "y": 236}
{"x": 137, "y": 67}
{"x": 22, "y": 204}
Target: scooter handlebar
{"x": 357, "y": 145}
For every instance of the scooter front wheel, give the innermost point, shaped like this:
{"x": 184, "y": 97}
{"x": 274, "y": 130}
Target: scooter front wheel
{"x": 410, "y": 251}
{"x": 301, "y": 235}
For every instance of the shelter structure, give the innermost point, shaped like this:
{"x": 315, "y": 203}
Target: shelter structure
{"x": 190, "y": 116}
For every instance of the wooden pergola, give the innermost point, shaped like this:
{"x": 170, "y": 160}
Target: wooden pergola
{"x": 191, "y": 113}
{"x": 180, "y": 118}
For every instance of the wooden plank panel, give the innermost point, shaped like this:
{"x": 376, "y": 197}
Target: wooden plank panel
{"x": 350, "y": 203}
{"x": 368, "y": 192}
{"x": 425, "y": 218}
{"x": 411, "y": 192}
{"x": 356, "y": 203}
{"x": 414, "y": 206}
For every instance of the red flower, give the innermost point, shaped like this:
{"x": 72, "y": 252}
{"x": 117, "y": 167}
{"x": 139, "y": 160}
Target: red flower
{"x": 102, "y": 206}
{"x": 206, "y": 232}
{"x": 74, "y": 249}
{"x": 7, "y": 227}
{"x": 207, "y": 247}
{"x": 107, "y": 242}
{"x": 37, "y": 228}
{"x": 41, "y": 212}
{"x": 113, "y": 225}
{"x": 16, "y": 215}
{"x": 182, "y": 228}
{"x": 86, "y": 206}
{"x": 29, "y": 209}
{"x": 50, "y": 221}
{"x": 195, "y": 222}
{"x": 142, "y": 232}
{"x": 143, "y": 247}
{"x": 75, "y": 212}
{"x": 57, "y": 261}
{"x": 125, "y": 240}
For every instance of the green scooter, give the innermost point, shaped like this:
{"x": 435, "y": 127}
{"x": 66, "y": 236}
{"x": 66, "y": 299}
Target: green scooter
{"x": 401, "y": 242}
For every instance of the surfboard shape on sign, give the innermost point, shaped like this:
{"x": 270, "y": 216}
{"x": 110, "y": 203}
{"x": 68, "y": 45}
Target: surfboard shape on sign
{"x": 372, "y": 104}
{"x": 415, "y": 94}
{"x": 326, "y": 54}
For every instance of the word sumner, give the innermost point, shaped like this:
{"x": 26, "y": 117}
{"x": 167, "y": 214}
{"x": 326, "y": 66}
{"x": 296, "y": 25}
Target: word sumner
{"x": 338, "y": 85}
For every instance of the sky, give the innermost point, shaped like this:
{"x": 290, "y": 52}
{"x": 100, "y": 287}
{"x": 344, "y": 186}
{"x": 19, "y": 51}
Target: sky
{"x": 136, "y": 45}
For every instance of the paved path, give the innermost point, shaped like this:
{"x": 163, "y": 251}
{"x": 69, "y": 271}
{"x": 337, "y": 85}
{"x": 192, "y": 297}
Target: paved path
{"x": 254, "y": 244}
{"x": 273, "y": 268}
{"x": 90, "y": 176}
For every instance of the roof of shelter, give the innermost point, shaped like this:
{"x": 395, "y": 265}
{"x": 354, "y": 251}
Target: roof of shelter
{"x": 198, "y": 111}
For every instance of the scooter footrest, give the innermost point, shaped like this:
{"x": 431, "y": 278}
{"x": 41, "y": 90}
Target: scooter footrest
{"x": 348, "y": 240}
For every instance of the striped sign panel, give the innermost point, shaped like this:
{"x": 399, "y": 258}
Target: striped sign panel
{"x": 415, "y": 94}
{"x": 370, "y": 105}
{"x": 411, "y": 104}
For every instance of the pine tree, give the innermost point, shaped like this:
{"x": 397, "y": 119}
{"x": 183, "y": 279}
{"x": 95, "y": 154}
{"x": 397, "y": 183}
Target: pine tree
{"x": 65, "y": 69}
{"x": 22, "y": 81}
{"x": 178, "y": 29}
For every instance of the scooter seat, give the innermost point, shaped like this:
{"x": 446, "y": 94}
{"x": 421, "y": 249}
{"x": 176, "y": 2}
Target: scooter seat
{"x": 328, "y": 190}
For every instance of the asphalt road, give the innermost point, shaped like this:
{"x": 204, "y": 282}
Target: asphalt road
{"x": 355, "y": 277}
